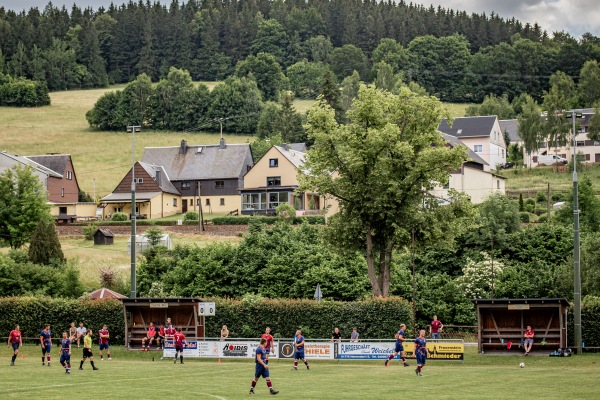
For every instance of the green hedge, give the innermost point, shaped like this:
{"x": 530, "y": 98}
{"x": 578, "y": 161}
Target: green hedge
{"x": 245, "y": 220}
{"x": 31, "y": 313}
{"x": 590, "y": 315}
{"x": 374, "y": 318}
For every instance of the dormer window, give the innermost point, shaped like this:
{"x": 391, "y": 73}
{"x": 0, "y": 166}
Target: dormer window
{"x": 273, "y": 162}
{"x": 459, "y": 131}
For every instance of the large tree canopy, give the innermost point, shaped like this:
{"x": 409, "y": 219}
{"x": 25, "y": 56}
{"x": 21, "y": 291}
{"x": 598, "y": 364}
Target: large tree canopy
{"x": 380, "y": 167}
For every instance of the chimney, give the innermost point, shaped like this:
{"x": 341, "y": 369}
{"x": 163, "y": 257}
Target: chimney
{"x": 158, "y": 176}
{"x": 222, "y": 144}
{"x": 183, "y": 147}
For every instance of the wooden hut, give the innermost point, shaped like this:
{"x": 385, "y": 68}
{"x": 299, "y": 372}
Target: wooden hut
{"x": 139, "y": 312}
{"x": 104, "y": 236}
{"x": 502, "y": 323}
{"x": 104, "y": 293}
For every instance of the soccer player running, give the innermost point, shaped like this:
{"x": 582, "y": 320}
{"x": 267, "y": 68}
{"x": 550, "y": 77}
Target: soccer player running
{"x": 179, "y": 339}
{"x": 299, "y": 352}
{"x": 46, "y": 342}
{"x": 149, "y": 337}
{"x": 87, "y": 350}
{"x": 261, "y": 367}
{"x": 421, "y": 351}
{"x": 15, "y": 340}
{"x": 103, "y": 338}
{"x": 399, "y": 346}
{"x": 65, "y": 352}
{"x": 269, "y": 345}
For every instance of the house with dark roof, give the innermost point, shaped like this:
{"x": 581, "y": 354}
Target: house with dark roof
{"x": 474, "y": 177}
{"x": 274, "y": 180}
{"x": 482, "y": 135}
{"x": 57, "y": 174}
{"x": 511, "y": 128}
{"x": 177, "y": 179}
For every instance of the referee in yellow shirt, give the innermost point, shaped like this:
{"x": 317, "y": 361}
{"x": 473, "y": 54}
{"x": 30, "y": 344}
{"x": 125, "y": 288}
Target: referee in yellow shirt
{"x": 87, "y": 351}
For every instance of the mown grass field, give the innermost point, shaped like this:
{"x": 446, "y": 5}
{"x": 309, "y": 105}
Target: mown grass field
{"x": 135, "y": 376}
{"x": 529, "y": 181}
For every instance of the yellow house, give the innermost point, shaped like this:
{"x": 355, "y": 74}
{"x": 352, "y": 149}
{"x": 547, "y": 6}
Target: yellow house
{"x": 156, "y": 197}
{"x": 273, "y": 180}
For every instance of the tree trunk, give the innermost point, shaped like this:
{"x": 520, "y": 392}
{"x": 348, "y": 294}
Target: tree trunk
{"x": 371, "y": 264}
{"x": 492, "y": 268}
{"x": 385, "y": 287}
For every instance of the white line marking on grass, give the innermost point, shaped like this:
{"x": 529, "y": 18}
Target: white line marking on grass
{"x": 30, "y": 388}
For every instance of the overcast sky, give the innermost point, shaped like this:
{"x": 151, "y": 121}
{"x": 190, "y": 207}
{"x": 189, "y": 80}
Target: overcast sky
{"x": 573, "y": 16}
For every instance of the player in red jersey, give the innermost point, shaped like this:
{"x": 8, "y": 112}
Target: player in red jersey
{"x": 179, "y": 339}
{"x": 160, "y": 336}
{"x": 269, "y": 348}
{"x": 103, "y": 338}
{"x": 149, "y": 337}
{"x": 15, "y": 340}
{"x": 169, "y": 332}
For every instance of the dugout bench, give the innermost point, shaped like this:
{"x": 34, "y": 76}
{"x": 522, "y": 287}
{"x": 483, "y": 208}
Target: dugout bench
{"x": 502, "y": 323}
{"x": 139, "y": 312}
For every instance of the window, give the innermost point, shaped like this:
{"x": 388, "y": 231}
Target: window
{"x": 198, "y": 202}
{"x": 254, "y": 201}
{"x": 219, "y": 184}
{"x": 191, "y": 202}
{"x": 273, "y": 181}
{"x": 497, "y": 183}
{"x": 273, "y": 162}
{"x": 117, "y": 209}
{"x": 502, "y": 152}
{"x": 62, "y": 192}
{"x": 137, "y": 209}
{"x": 587, "y": 157}
{"x": 185, "y": 185}
{"x": 69, "y": 175}
{"x": 139, "y": 180}
{"x": 207, "y": 202}
{"x": 174, "y": 202}
{"x": 478, "y": 148}
{"x": 62, "y": 210}
{"x": 277, "y": 198}
{"x": 222, "y": 201}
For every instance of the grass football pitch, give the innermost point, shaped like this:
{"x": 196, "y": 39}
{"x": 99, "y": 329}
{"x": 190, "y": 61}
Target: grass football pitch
{"x": 133, "y": 375}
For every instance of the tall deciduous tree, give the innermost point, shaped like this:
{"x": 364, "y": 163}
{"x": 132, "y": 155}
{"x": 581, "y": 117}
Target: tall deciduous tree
{"x": 265, "y": 69}
{"x": 560, "y": 98}
{"x": 384, "y": 160}
{"x": 530, "y": 125}
{"x": 23, "y": 203}
{"x": 589, "y": 83}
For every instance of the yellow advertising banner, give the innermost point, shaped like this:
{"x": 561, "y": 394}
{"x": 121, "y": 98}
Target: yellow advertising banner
{"x": 441, "y": 351}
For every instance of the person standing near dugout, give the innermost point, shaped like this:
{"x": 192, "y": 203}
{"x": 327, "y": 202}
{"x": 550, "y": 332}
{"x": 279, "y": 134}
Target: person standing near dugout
{"x": 103, "y": 338}
{"x": 269, "y": 345}
{"x": 87, "y": 351}
{"x": 15, "y": 339}
{"x": 261, "y": 368}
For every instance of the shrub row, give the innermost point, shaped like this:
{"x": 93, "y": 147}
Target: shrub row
{"x": 22, "y": 92}
{"x": 31, "y": 313}
{"x": 374, "y": 318}
{"x": 245, "y": 220}
{"x": 590, "y": 315}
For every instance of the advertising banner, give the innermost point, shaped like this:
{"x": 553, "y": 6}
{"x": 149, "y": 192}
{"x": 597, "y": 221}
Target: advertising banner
{"x": 381, "y": 350}
{"x": 312, "y": 350}
{"x": 190, "y": 350}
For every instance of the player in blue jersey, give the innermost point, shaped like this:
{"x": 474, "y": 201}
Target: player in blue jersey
{"x": 46, "y": 342}
{"x": 65, "y": 352}
{"x": 261, "y": 367}
{"x": 299, "y": 350}
{"x": 399, "y": 346}
{"x": 421, "y": 351}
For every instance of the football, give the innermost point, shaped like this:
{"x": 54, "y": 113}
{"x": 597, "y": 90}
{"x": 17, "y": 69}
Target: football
{"x": 522, "y": 365}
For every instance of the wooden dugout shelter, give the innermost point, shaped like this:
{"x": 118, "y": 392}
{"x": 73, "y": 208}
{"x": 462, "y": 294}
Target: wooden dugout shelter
{"x": 503, "y": 321}
{"x": 139, "y": 312}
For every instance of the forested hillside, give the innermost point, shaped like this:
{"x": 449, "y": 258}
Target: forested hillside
{"x": 454, "y": 55}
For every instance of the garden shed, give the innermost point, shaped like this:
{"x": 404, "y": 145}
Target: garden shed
{"x": 139, "y": 312}
{"x": 104, "y": 236}
{"x": 502, "y": 323}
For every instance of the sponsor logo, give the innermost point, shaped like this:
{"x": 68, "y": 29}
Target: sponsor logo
{"x": 235, "y": 350}
{"x": 286, "y": 350}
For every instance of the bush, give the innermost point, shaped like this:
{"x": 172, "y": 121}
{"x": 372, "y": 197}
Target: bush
{"x": 191, "y": 216}
{"x": 541, "y": 197}
{"x": 90, "y": 230}
{"x": 21, "y": 92}
{"x": 590, "y": 313}
{"x": 525, "y": 217}
{"x": 375, "y": 318}
{"x": 529, "y": 201}
{"x": 530, "y": 208}
{"x": 119, "y": 216}
{"x": 32, "y": 312}
{"x": 556, "y": 197}
{"x": 245, "y": 220}
{"x": 542, "y": 218}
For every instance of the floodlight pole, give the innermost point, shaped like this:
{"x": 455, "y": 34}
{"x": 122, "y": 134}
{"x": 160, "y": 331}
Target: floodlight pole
{"x": 133, "y": 129}
{"x": 576, "y": 245}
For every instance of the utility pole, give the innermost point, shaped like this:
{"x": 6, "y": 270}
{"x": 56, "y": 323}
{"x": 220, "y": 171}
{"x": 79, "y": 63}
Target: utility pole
{"x": 133, "y": 129}
{"x": 548, "y": 200}
{"x": 201, "y": 217}
{"x": 576, "y": 247}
